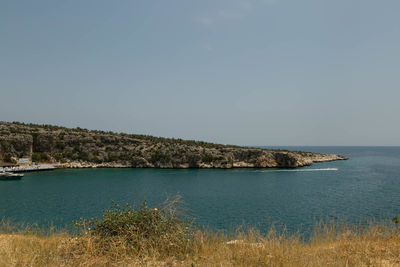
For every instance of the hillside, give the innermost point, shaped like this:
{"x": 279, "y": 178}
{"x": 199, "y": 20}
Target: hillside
{"x": 79, "y": 147}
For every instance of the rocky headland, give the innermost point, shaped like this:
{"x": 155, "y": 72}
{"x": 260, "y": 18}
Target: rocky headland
{"x": 82, "y": 148}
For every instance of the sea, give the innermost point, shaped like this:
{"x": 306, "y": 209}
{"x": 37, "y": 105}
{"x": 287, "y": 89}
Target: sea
{"x": 362, "y": 189}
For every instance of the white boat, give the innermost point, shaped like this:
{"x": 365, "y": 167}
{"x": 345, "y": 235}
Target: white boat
{"x": 10, "y": 176}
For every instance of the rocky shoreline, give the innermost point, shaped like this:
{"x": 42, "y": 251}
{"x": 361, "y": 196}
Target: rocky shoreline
{"x": 82, "y": 148}
{"x": 294, "y": 162}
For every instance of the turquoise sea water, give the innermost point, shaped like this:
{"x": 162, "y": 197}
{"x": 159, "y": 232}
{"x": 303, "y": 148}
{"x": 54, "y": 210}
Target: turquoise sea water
{"x": 364, "y": 187}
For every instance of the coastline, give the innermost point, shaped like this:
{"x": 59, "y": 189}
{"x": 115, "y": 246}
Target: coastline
{"x": 48, "y": 166}
{"x": 23, "y": 144}
{"x": 316, "y": 158}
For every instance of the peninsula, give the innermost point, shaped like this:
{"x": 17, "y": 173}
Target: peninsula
{"x": 22, "y": 143}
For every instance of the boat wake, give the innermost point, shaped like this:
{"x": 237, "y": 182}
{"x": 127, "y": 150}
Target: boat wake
{"x": 303, "y": 170}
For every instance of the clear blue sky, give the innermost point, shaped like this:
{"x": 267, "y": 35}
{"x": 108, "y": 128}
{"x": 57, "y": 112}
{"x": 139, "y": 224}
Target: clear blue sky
{"x": 251, "y": 72}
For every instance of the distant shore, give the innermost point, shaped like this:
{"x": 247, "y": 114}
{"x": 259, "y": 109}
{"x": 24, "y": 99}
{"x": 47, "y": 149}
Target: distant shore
{"x": 82, "y": 148}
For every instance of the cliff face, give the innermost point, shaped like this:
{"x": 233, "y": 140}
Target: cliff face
{"x": 83, "y": 148}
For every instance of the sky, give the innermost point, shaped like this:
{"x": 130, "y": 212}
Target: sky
{"x": 245, "y": 72}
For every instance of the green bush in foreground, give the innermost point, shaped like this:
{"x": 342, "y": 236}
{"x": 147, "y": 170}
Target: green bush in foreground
{"x": 141, "y": 228}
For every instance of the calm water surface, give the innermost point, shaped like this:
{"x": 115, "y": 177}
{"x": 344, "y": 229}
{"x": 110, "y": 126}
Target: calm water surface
{"x": 364, "y": 187}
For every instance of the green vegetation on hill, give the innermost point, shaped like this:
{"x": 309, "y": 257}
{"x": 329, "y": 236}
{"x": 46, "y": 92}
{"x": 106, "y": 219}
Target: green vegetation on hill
{"x": 82, "y": 147}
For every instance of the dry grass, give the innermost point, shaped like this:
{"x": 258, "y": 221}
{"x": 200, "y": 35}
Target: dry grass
{"x": 374, "y": 245}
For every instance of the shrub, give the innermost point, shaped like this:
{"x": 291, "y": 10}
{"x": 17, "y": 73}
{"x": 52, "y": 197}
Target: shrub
{"x": 99, "y": 144}
{"x": 159, "y": 157}
{"x": 60, "y": 145}
{"x": 36, "y": 157}
{"x": 19, "y": 147}
{"x": 96, "y": 160}
{"x": 7, "y": 158}
{"x": 207, "y": 158}
{"x": 44, "y": 157}
{"x": 112, "y": 157}
{"x": 193, "y": 160}
{"x": 142, "y": 228}
{"x": 83, "y": 156}
{"x": 3, "y": 144}
{"x": 124, "y": 157}
{"x": 58, "y": 156}
{"x": 76, "y": 149}
{"x": 67, "y": 154}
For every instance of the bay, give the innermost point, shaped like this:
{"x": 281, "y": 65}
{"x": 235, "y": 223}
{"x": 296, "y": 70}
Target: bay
{"x": 365, "y": 187}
